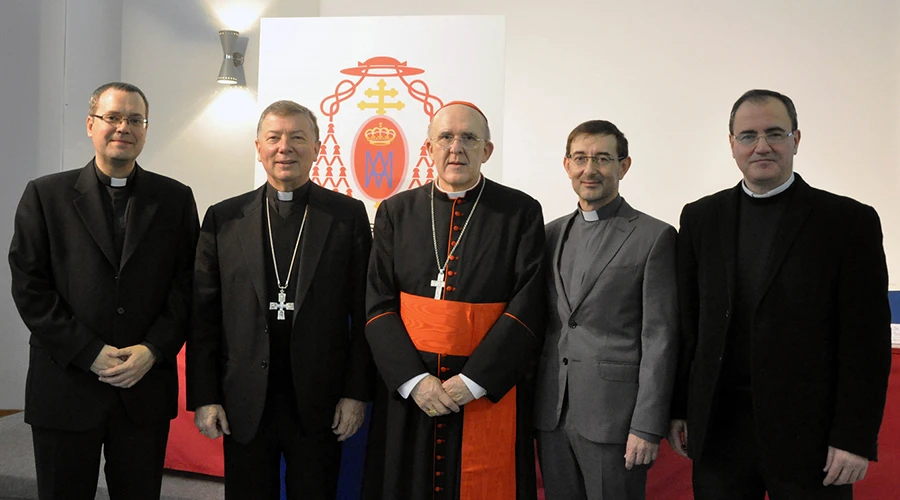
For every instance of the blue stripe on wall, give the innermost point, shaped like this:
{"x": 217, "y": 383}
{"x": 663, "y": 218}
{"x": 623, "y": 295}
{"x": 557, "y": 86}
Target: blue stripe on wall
{"x": 894, "y": 297}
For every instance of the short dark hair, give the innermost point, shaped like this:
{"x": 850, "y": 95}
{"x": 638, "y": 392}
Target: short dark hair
{"x": 759, "y": 96}
{"x": 599, "y": 127}
{"x": 286, "y": 108}
{"x": 127, "y": 87}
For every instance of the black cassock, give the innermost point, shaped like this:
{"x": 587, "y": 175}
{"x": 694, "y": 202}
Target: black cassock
{"x": 497, "y": 265}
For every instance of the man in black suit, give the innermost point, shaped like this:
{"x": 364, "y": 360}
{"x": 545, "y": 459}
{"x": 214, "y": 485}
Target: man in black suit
{"x": 785, "y": 351}
{"x": 276, "y": 357}
{"x": 101, "y": 264}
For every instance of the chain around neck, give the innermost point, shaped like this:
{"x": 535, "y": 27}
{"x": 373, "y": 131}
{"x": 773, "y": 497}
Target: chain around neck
{"x": 287, "y": 278}
{"x": 437, "y": 257}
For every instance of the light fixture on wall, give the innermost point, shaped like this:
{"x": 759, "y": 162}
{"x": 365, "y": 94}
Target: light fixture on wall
{"x": 232, "y": 69}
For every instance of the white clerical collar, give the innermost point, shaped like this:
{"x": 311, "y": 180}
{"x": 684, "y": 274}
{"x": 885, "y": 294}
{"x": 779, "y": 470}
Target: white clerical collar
{"x": 285, "y": 195}
{"x": 780, "y": 189}
{"x": 118, "y": 182}
{"x": 589, "y": 215}
{"x": 456, "y": 194}
{"x": 603, "y": 212}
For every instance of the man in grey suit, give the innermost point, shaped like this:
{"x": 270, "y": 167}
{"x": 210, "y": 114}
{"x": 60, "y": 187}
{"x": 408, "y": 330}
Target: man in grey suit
{"x": 605, "y": 377}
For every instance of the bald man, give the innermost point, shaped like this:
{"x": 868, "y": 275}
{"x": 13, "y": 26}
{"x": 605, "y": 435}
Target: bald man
{"x": 455, "y": 312}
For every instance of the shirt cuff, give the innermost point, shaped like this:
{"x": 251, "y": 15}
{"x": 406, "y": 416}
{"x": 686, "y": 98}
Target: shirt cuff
{"x": 474, "y": 388}
{"x": 410, "y": 384}
{"x": 646, "y": 436}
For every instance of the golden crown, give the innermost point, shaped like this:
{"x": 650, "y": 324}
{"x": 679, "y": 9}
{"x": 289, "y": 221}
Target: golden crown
{"x": 380, "y": 135}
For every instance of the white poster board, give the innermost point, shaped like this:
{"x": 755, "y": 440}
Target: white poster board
{"x": 374, "y": 83}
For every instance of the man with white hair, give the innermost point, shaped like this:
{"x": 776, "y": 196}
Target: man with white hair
{"x": 455, "y": 314}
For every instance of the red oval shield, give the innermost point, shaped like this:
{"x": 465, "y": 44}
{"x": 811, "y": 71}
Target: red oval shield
{"x": 379, "y": 157}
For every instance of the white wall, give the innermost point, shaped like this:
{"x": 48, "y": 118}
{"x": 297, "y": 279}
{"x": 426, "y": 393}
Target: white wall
{"x": 666, "y": 74}
{"x": 200, "y": 132}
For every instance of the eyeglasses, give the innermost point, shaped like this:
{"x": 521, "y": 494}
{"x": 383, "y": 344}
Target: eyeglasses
{"x": 599, "y": 160}
{"x": 115, "y": 120}
{"x": 751, "y": 138}
{"x": 444, "y": 141}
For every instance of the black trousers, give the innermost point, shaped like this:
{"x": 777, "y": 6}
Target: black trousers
{"x": 253, "y": 470}
{"x": 732, "y": 468}
{"x": 68, "y": 462}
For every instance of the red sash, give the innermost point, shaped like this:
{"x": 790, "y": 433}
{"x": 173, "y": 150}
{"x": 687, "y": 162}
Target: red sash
{"x": 489, "y": 430}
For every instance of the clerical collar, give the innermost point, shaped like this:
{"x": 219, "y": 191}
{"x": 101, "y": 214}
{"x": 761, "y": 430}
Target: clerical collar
{"x": 299, "y": 195}
{"x": 604, "y": 212}
{"x": 780, "y": 189}
{"x": 456, "y": 194}
{"x": 115, "y": 182}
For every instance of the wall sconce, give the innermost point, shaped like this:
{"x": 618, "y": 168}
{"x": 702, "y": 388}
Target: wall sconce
{"x": 232, "y": 70}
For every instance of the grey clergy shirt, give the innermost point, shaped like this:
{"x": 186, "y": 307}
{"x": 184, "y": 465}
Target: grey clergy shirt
{"x": 585, "y": 232}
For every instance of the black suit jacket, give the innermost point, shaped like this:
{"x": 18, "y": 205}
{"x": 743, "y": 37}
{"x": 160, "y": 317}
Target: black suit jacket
{"x": 820, "y": 332}
{"x": 228, "y": 346}
{"x": 74, "y": 296}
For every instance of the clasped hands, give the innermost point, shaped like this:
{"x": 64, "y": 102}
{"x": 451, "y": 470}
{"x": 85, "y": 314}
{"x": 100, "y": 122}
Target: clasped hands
{"x": 123, "y": 367}
{"x": 436, "y": 398}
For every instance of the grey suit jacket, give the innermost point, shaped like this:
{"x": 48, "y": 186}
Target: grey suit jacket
{"x": 615, "y": 344}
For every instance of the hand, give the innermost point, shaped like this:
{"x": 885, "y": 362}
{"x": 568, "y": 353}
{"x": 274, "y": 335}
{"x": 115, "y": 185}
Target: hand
{"x": 639, "y": 452}
{"x": 430, "y": 396}
{"x": 136, "y": 362}
{"x": 844, "y": 467}
{"x": 348, "y": 417}
{"x": 211, "y": 421}
{"x": 678, "y": 437}
{"x": 104, "y": 361}
{"x": 458, "y": 390}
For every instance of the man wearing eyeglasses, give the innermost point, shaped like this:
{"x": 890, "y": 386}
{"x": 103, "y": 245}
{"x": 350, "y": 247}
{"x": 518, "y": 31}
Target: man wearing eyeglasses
{"x": 455, "y": 321}
{"x": 604, "y": 381}
{"x": 785, "y": 348}
{"x": 101, "y": 261}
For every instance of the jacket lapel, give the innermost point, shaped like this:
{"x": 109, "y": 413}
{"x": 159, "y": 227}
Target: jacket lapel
{"x": 792, "y": 220}
{"x": 557, "y": 277}
{"x": 251, "y": 235}
{"x": 142, "y": 209}
{"x": 620, "y": 228}
{"x": 728, "y": 221}
{"x": 312, "y": 242}
{"x": 90, "y": 208}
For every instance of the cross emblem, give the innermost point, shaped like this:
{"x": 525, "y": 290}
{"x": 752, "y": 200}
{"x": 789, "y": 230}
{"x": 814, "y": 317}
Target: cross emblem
{"x": 381, "y": 106}
{"x": 281, "y": 305}
{"x": 437, "y": 283}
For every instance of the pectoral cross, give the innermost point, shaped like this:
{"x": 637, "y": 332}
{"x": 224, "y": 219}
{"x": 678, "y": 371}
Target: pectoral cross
{"x": 281, "y": 305}
{"x": 437, "y": 283}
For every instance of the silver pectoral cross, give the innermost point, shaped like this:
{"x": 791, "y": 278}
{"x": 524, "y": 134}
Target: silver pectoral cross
{"x": 438, "y": 284}
{"x": 281, "y": 305}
